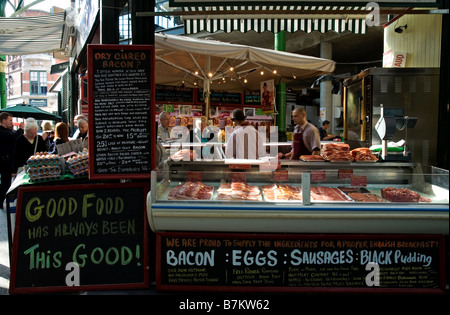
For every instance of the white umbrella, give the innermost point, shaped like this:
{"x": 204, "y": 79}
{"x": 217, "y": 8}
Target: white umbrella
{"x": 189, "y": 61}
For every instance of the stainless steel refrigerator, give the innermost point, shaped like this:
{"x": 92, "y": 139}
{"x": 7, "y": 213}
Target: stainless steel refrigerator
{"x": 407, "y": 92}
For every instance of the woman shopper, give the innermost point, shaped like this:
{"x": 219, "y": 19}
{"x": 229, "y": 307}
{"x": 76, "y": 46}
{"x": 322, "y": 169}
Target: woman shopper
{"x": 61, "y": 136}
{"x": 27, "y": 144}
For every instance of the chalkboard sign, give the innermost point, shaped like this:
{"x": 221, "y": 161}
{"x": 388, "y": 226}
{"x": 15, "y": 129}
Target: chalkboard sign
{"x": 102, "y": 228}
{"x": 174, "y": 94}
{"x": 121, "y": 96}
{"x": 221, "y": 97}
{"x": 300, "y": 263}
{"x": 252, "y": 98}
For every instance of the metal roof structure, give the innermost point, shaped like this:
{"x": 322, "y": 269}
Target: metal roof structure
{"x": 31, "y": 35}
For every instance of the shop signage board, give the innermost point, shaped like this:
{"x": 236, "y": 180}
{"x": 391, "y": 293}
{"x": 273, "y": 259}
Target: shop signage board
{"x": 408, "y": 3}
{"x": 102, "y": 228}
{"x": 174, "y": 94}
{"x": 300, "y": 262}
{"x": 121, "y": 111}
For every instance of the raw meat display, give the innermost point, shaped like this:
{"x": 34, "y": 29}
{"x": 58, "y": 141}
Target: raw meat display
{"x": 191, "y": 191}
{"x": 320, "y": 193}
{"x": 399, "y": 195}
{"x": 365, "y": 197}
{"x": 363, "y": 155}
{"x": 238, "y": 191}
{"x": 311, "y": 158}
{"x": 336, "y": 152}
{"x": 281, "y": 192}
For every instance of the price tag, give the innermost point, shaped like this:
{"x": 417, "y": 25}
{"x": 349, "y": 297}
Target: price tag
{"x": 194, "y": 177}
{"x": 240, "y": 166}
{"x": 269, "y": 166}
{"x": 318, "y": 176}
{"x": 358, "y": 181}
{"x": 238, "y": 177}
{"x": 281, "y": 176}
{"x": 344, "y": 174}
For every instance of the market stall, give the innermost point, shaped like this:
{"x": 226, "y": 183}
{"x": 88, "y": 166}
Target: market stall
{"x": 240, "y": 226}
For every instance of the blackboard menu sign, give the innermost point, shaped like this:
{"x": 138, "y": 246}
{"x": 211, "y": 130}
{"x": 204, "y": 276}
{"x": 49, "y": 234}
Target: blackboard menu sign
{"x": 300, "y": 263}
{"x": 121, "y": 96}
{"x": 80, "y": 237}
{"x": 252, "y": 98}
{"x": 221, "y": 98}
{"x": 174, "y": 94}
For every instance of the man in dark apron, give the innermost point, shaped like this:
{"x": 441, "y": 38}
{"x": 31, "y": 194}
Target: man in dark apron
{"x": 306, "y": 139}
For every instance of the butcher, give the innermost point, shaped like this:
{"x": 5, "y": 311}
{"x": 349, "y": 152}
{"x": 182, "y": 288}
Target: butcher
{"x": 305, "y": 138}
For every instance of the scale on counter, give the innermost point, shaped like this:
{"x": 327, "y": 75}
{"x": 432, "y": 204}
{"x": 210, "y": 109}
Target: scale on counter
{"x": 391, "y": 120}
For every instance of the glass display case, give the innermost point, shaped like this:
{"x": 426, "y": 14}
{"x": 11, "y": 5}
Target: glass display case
{"x": 300, "y": 197}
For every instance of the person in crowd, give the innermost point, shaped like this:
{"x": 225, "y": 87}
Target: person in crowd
{"x": 48, "y": 134}
{"x": 27, "y": 144}
{"x": 83, "y": 128}
{"x": 75, "y": 125}
{"x": 163, "y": 127}
{"x": 7, "y": 139}
{"x": 324, "y": 136}
{"x": 197, "y": 131}
{"x": 245, "y": 142}
{"x": 61, "y": 136}
{"x": 306, "y": 139}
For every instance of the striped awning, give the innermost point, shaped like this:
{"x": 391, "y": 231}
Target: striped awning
{"x": 228, "y": 21}
{"x": 31, "y": 34}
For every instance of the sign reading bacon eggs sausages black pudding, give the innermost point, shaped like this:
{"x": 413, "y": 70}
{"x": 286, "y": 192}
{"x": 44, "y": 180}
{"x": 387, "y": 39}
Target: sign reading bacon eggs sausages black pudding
{"x": 300, "y": 262}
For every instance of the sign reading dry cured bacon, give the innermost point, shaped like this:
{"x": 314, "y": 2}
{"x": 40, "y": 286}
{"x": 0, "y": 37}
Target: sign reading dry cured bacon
{"x": 121, "y": 116}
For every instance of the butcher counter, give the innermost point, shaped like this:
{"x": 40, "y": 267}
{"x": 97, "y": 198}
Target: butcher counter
{"x": 299, "y": 226}
{"x": 306, "y": 215}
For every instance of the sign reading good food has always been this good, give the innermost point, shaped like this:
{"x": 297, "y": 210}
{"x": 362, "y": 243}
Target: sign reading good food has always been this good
{"x": 100, "y": 230}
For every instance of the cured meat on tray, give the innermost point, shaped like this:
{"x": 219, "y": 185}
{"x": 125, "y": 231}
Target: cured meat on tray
{"x": 281, "y": 192}
{"x": 321, "y": 193}
{"x": 336, "y": 152}
{"x": 311, "y": 158}
{"x": 399, "y": 195}
{"x": 191, "y": 191}
{"x": 365, "y": 197}
{"x": 363, "y": 155}
{"x": 238, "y": 191}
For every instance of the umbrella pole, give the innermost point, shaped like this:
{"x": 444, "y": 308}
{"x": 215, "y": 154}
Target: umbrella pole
{"x": 207, "y": 99}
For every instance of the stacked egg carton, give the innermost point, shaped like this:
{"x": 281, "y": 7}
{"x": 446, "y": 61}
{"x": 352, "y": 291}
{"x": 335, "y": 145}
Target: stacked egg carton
{"x": 78, "y": 165}
{"x": 44, "y": 166}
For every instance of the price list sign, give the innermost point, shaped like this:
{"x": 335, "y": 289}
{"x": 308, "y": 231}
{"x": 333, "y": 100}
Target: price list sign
{"x": 300, "y": 263}
{"x": 121, "y": 99}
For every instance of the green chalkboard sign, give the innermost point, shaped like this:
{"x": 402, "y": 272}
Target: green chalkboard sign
{"x": 300, "y": 263}
{"x": 101, "y": 228}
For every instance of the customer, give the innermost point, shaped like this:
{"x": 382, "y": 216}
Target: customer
{"x": 48, "y": 134}
{"x": 27, "y": 144}
{"x": 7, "y": 139}
{"x": 324, "y": 136}
{"x": 163, "y": 127}
{"x": 83, "y": 128}
{"x": 61, "y": 136}
{"x": 75, "y": 125}
{"x": 306, "y": 140}
{"x": 245, "y": 142}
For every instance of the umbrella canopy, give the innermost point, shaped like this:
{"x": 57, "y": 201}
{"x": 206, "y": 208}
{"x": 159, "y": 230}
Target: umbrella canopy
{"x": 26, "y": 111}
{"x": 189, "y": 61}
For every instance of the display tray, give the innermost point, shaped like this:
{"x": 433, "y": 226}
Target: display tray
{"x": 437, "y": 195}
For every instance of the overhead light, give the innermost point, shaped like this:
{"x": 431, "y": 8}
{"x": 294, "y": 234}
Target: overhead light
{"x": 231, "y": 69}
{"x": 275, "y": 71}
{"x": 210, "y": 74}
{"x": 400, "y": 29}
{"x": 245, "y": 81}
{"x": 196, "y": 72}
{"x": 262, "y": 72}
